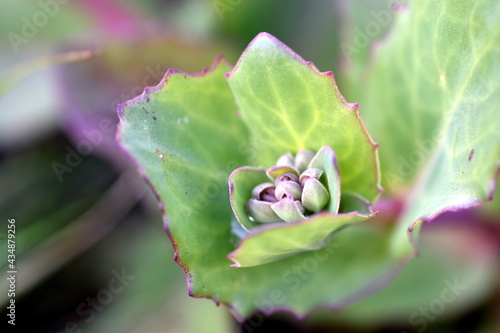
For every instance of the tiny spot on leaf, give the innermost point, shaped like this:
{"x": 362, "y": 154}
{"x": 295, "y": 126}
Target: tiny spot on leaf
{"x": 471, "y": 154}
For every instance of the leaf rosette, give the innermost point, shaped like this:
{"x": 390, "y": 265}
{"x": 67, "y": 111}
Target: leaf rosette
{"x": 271, "y": 125}
{"x": 303, "y": 190}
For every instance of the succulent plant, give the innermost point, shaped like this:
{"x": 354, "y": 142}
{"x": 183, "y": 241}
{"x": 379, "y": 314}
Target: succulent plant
{"x": 297, "y": 190}
{"x": 257, "y": 124}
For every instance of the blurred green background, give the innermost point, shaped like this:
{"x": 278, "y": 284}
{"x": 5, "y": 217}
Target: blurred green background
{"x": 84, "y": 216}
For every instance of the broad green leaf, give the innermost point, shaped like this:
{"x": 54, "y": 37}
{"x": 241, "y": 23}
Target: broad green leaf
{"x": 186, "y": 137}
{"x": 288, "y": 105}
{"x": 433, "y": 97}
{"x": 20, "y": 72}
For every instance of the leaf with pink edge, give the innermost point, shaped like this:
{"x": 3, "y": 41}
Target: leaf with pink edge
{"x": 432, "y": 102}
{"x": 186, "y": 137}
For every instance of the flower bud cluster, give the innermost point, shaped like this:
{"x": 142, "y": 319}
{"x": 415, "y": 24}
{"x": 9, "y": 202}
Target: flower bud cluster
{"x": 295, "y": 191}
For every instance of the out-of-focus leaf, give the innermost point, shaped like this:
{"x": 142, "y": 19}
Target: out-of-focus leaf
{"x": 155, "y": 300}
{"x": 120, "y": 72}
{"x": 313, "y": 28}
{"x": 29, "y": 22}
{"x": 433, "y": 96}
{"x": 44, "y": 209}
{"x": 456, "y": 271}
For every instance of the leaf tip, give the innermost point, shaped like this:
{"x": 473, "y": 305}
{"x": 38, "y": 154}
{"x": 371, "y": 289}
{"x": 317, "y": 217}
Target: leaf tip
{"x": 471, "y": 155}
{"x": 265, "y": 42}
{"x": 231, "y": 256}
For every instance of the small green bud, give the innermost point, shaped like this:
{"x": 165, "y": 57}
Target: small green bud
{"x": 286, "y": 160}
{"x": 288, "y": 176}
{"x": 276, "y": 171}
{"x": 302, "y": 159}
{"x": 289, "y": 209}
{"x": 265, "y": 192}
{"x": 286, "y": 188}
{"x": 261, "y": 211}
{"x": 314, "y": 195}
{"x": 310, "y": 173}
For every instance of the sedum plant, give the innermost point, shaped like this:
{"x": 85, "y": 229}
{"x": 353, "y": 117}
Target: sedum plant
{"x": 302, "y": 190}
{"x": 207, "y": 142}
{"x": 269, "y": 180}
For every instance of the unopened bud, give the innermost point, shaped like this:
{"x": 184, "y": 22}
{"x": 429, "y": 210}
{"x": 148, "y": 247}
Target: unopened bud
{"x": 276, "y": 171}
{"x": 265, "y": 192}
{"x": 310, "y": 173}
{"x": 286, "y": 188}
{"x": 314, "y": 195}
{"x": 261, "y": 211}
{"x": 288, "y": 176}
{"x": 302, "y": 159}
{"x": 289, "y": 209}
{"x": 286, "y": 160}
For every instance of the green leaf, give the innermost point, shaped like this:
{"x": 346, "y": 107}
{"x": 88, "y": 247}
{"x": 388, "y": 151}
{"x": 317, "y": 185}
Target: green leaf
{"x": 289, "y": 105}
{"x": 433, "y": 96}
{"x": 279, "y": 240}
{"x": 327, "y": 161}
{"x": 186, "y": 138}
{"x": 241, "y": 183}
